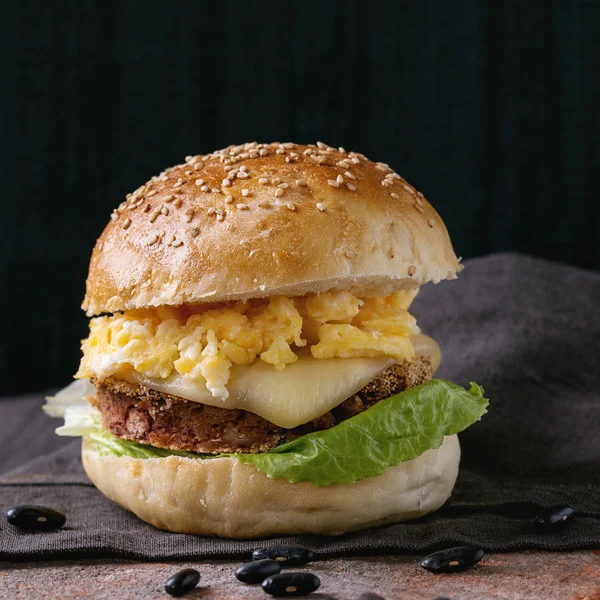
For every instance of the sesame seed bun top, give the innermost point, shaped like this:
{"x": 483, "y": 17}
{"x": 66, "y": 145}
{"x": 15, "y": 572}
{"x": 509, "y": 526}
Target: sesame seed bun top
{"x": 267, "y": 219}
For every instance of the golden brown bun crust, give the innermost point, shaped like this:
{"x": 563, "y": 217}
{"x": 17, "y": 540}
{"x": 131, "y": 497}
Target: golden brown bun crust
{"x": 371, "y": 234}
{"x": 224, "y": 497}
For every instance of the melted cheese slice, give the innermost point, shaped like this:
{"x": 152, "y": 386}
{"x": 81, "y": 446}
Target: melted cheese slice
{"x": 304, "y": 391}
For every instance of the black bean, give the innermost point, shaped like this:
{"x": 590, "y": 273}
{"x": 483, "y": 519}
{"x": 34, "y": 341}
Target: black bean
{"x": 291, "y": 584}
{"x": 258, "y": 570}
{"x": 288, "y": 556}
{"x": 182, "y": 582}
{"x": 553, "y": 518}
{"x": 451, "y": 560}
{"x": 31, "y": 516}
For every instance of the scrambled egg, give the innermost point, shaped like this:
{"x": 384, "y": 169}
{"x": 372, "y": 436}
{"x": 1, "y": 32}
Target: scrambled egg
{"x": 203, "y": 342}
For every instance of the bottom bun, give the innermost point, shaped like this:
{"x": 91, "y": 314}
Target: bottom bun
{"x": 224, "y": 497}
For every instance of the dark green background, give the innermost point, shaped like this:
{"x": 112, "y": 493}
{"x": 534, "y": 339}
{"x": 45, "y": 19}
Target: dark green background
{"x": 491, "y": 108}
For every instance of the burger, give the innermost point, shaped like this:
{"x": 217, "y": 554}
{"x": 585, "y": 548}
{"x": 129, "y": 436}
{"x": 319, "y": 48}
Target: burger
{"x": 252, "y": 367}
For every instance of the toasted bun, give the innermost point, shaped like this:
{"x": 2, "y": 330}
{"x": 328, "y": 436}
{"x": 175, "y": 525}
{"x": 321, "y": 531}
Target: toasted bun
{"x": 224, "y": 497}
{"x": 190, "y": 235}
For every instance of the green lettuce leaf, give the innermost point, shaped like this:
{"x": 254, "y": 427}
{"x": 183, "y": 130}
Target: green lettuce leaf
{"x": 394, "y": 430}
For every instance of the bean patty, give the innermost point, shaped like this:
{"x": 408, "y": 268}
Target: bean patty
{"x": 135, "y": 412}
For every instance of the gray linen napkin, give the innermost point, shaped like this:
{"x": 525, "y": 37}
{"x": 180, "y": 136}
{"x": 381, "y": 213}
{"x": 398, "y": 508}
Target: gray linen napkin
{"x": 526, "y": 329}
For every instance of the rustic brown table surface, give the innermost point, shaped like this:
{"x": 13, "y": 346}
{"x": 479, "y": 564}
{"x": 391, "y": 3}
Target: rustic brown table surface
{"x": 523, "y": 575}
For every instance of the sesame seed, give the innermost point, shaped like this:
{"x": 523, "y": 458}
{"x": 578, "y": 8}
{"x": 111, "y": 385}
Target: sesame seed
{"x": 188, "y": 218}
{"x": 342, "y": 150}
{"x": 321, "y": 145}
{"x": 419, "y": 208}
{"x": 189, "y": 211}
{"x": 177, "y": 243}
{"x": 279, "y": 192}
{"x": 153, "y": 240}
{"x": 276, "y": 181}
{"x": 177, "y": 203}
{"x": 126, "y": 223}
{"x": 343, "y": 163}
{"x": 151, "y": 193}
{"x": 212, "y": 210}
{"x": 199, "y": 182}
{"x": 220, "y": 217}
{"x": 243, "y": 168}
{"x": 339, "y": 179}
{"x": 431, "y": 222}
{"x": 198, "y": 166}
{"x": 291, "y": 206}
{"x": 387, "y": 182}
{"x": 204, "y": 188}
{"x": 263, "y": 180}
{"x": 241, "y": 206}
{"x": 114, "y": 216}
{"x": 320, "y": 206}
{"x": 226, "y": 182}
{"x": 350, "y": 253}
{"x": 333, "y": 183}
{"x": 394, "y": 195}
{"x": 262, "y": 152}
{"x": 351, "y": 187}
{"x": 228, "y": 199}
{"x": 280, "y": 151}
{"x": 153, "y": 217}
{"x": 188, "y": 158}
{"x": 164, "y": 210}
{"x": 408, "y": 189}
{"x": 284, "y": 185}
{"x": 171, "y": 240}
{"x": 245, "y": 192}
{"x": 412, "y": 270}
{"x": 265, "y": 204}
{"x": 419, "y": 201}
{"x": 355, "y": 160}
{"x": 178, "y": 183}
{"x": 420, "y": 195}
{"x": 242, "y": 175}
{"x": 164, "y": 178}
{"x": 146, "y": 208}
{"x": 169, "y": 198}
{"x": 219, "y": 211}
{"x": 349, "y": 175}
{"x": 194, "y": 232}
{"x": 301, "y": 183}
